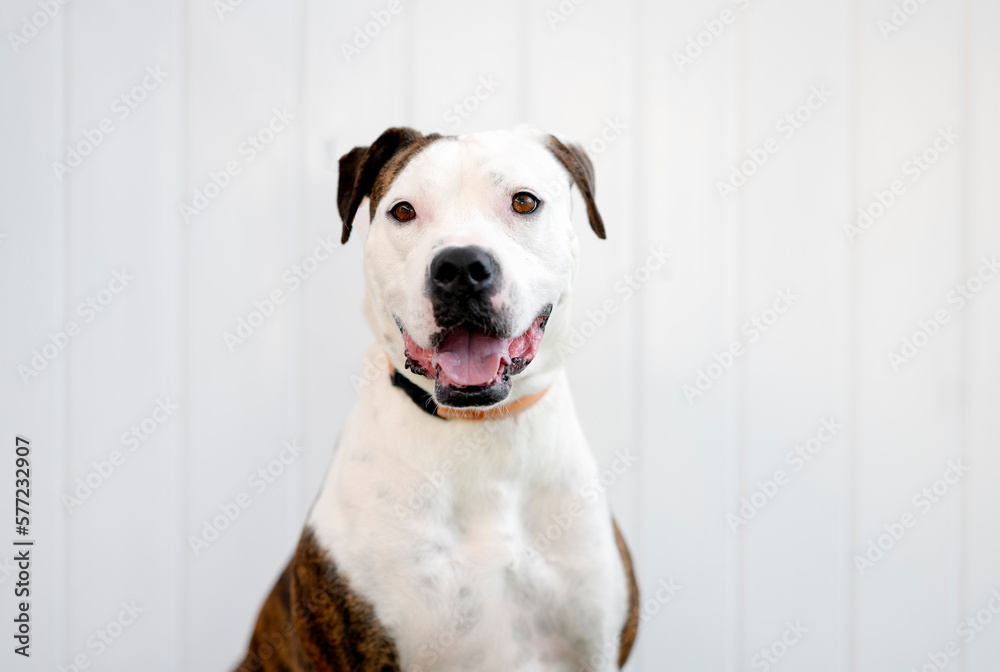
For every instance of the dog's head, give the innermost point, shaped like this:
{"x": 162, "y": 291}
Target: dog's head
{"x": 470, "y": 254}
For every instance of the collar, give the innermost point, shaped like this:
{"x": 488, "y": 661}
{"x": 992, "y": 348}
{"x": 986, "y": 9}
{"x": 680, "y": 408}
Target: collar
{"x": 425, "y": 402}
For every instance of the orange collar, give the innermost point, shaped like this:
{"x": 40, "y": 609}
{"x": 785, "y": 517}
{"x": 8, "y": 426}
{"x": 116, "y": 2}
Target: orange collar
{"x": 426, "y": 402}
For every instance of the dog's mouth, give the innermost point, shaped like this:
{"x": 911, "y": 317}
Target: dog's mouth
{"x": 471, "y": 366}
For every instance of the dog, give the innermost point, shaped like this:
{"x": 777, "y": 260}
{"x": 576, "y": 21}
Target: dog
{"x": 455, "y": 529}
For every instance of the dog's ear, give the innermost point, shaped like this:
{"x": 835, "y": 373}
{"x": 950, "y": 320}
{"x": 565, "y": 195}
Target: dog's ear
{"x": 576, "y": 162}
{"x": 349, "y": 165}
{"x": 360, "y": 168}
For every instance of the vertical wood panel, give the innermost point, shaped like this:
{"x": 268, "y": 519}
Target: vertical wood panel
{"x": 909, "y": 86}
{"x": 295, "y": 249}
{"x": 175, "y": 323}
{"x": 981, "y": 355}
{"x": 240, "y": 70}
{"x": 488, "y": 63}
{"x": 117, "y": 208}
{"x": 33, "y": 296}
{"x": 690, "y": 475}
{"x": 792, "y": 568}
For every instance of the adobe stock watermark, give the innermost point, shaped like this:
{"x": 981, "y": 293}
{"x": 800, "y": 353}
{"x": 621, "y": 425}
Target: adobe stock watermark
{"x": 927, "y": 330}
{"x": 371, "y": 370}
{"x": 32, "y": 23}
{"x": 460, "y": 452}
{"x": 223, "y": 7}
{"x": 249, "y": 149}
{"x": 714, "y": 28}
{"x": 923, "y": 502}
{"x": 786, "y": 127}
{"x": 612, "y": 130}
{"x": 292, "y": 278}
{"x": 625, "y": 289}
{"x": 121, "y": 108}
{"x": 103, "y": 470}
{"x": 365, "y": 35}
{"x": 753, "y": 328}
{"x": 797, "y": 458}
{"x": 914, "y": 168}
{"x": 666, "y": 591}
{"x": 229, "y": 511}
{"x": 561, "y": 13}
{"x": 769, "y": 656}
{"x": 966, "y": 631}
{"x": 88, "y": 309}
{"x": 899, "y": 17}
{"x": 105, "y": 637}
{"x": 456, "y": 115}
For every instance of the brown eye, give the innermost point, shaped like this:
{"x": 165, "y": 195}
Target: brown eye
{"x": 524, "y": 203}
{"x": 404, "y": 212}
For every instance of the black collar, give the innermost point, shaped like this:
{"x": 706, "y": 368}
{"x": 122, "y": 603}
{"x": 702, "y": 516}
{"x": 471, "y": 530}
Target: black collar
{"x": 421, "y": 398}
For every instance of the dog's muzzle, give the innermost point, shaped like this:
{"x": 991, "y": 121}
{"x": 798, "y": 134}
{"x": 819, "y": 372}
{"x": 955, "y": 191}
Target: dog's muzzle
{"x": 475, "y": 352}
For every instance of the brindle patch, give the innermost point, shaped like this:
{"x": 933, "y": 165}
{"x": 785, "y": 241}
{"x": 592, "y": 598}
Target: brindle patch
{"x": 394, "y": 166}
{"x": 632, "y": 620}
{"x": 575, "y": 160}
{"x": 369, "y": 171}
{"x": 314, "y": 622}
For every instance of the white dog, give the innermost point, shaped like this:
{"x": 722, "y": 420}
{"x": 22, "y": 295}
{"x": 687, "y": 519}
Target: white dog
{"x": 451, "y": 533}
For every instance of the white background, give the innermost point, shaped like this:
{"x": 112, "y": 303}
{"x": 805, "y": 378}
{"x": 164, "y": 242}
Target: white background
{"x": 685, "y": 128}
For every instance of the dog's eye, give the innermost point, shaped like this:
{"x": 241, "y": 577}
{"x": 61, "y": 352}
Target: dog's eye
{"x": 523, "y": 202}
{"x": 404, "y": 212}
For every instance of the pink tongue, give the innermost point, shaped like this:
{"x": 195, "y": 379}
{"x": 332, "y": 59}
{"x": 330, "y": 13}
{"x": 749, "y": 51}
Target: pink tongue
{"x": 470, "y": 358}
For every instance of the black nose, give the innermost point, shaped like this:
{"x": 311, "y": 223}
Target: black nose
{"x": 464, "y": 272}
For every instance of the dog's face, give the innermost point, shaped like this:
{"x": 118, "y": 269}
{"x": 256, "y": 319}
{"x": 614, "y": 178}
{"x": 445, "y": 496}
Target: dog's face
{"x": 470, "y": 254}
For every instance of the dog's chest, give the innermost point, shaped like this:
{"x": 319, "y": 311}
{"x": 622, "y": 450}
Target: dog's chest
{"x": 481, "y": 564}
{"x": 491, "y": 596}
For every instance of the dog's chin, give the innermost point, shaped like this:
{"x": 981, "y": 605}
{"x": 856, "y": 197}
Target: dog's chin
{"x": 480, "y": 395}
{"x": 472, "y": 366}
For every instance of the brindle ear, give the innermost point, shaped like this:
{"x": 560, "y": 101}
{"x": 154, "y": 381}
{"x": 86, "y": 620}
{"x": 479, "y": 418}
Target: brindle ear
{"x": 360, "y": 168}
{"x": 576, "y": 162}
{"x": 349, "y": 165}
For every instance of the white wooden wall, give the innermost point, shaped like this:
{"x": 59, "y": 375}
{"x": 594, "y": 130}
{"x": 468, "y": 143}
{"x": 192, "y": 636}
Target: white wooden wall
{"x": 684, "y": 128}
